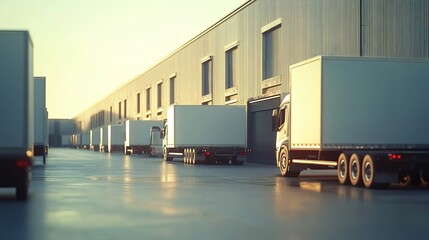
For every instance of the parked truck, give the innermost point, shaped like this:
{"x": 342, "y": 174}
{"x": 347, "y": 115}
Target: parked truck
{"x": 115, "y": 138}
{"x": 76, "y": 141}
{"x": 66, "y": 140}
{"x": 40, "y": 118}
{"x": 365, "y": 117}
{"x": 95, "y": 139}
{"x": 138, "y": 135}
{"x": 86, "y": 140}
{"x": 17, "y": 108}
{"x": 103, "y": 139}
{"x": 155, "y": 142}
{"x": 209, "y": 134}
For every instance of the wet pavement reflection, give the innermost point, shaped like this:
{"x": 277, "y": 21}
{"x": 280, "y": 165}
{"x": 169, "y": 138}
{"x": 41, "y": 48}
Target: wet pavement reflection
{"x": 88, "y": 195}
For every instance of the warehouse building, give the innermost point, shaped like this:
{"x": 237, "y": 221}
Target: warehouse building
{"x": 243, "y": 59}
{"x": 60, "y": 131}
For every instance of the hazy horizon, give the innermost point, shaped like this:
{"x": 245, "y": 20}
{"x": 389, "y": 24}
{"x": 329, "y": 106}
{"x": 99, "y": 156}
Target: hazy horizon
{"x": 87, "y": 49}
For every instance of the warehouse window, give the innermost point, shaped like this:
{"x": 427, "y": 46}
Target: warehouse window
{"x": 148, "y": 99}
{"x": 207, "y": 76}
{"x": 271, "y": 49}
{"x": 111, "y": 114}
{"x": 172, "y": 80}
{"x": 102, "y": 118}
{"x": 120, "y": 111}
{"x": 138, "y": 102}
{"x": 125, "y": 108}
{"x": 159, "y": 95}
{"x": 231, "y": 67}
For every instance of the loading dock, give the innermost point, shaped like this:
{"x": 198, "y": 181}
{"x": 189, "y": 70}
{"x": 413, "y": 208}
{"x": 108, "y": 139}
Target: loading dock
{"x": 261, "y": 138}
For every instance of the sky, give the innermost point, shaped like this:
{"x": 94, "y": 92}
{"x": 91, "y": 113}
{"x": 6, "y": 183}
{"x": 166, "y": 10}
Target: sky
{"x": 88, "y": 48}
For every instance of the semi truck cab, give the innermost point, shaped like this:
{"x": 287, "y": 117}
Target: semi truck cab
{"x": 281, "y": 126}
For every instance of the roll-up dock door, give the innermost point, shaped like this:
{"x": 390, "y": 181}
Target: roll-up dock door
{"x": 261, "y": 138}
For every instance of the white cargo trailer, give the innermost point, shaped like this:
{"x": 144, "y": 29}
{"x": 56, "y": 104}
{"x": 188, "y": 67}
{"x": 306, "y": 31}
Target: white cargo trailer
{"x": 138, "y": 135}
{"x": 76, "y": 141}
{"x": 365, "y": 117}
{"x": 17, "y": 108}
{"x": 211, "y": 134}
{"x": 155, "y": 142}
{"x": 103, "y": 139}
{"x": 94, "y": 139}
{"x": 115, "y": 138}
{"x": 40, "y": 118}
{"x": 66, "y": 140}
{"x": 86, "y": 140}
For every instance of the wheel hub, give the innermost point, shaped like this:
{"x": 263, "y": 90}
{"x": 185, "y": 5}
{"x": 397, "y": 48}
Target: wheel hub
{"x": 342, "y": 169}
{"x": 367, "y": 172}
{"x": 354, "y": 170}
{"x": 283, "y": 163}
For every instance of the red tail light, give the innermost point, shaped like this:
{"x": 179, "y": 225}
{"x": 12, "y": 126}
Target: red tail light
{"x": 245, "y": 152}
{"x": 393, "y": 156}
{"x": 23, "y": 163}
{"x": 206, "y": 153}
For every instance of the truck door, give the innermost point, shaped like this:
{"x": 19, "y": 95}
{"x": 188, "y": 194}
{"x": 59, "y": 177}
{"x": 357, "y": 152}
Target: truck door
{"x": 283, "y": 126}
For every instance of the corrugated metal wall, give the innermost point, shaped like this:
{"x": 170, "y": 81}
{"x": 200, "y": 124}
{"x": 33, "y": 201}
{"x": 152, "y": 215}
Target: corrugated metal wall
{"x": 308, "y": 28}
{"x": 395, "y": 28}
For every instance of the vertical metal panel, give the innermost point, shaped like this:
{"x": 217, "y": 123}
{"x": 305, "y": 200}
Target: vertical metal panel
{"x": 396, "y": 28}
{"x": 308, "y": 28}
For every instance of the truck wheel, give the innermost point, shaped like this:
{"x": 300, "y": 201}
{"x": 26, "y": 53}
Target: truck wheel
{"x": 424, "y": 181}
{"x": 343, "y": 169}
{"x": 193, "y": 156}
{"x": 188, "y": 156}
{"x": 409, "y": 179}
{"x": 185, "y": 156}
{"x": 368, "y": 171}
{"x": 355, "y": 167}
{"x": 285, "y": 164}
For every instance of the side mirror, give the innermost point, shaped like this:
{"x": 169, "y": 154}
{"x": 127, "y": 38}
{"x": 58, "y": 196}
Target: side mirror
{"x": 162, "y": 134}
{"x": 274, "y": 122}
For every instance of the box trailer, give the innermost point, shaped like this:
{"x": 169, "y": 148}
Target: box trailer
{"x": 86, "y": 140}
{"x": 103, "y": 139}
{"x": 115, "y": 138}
{"x": 40, "y": 118}
{"x": 76, "y": 141}
{"x": 17, "y": 121}
{"x": 94, "y": 139}
{"x": 155, "y": 141}
{"x": 138, "y": 135}
{"x": 211, "y": 134}
{"x": 66, "y": 140}
{"x": 365, "y": 117}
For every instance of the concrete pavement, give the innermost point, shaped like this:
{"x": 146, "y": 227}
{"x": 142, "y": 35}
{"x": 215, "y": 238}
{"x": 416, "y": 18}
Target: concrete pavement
{"x": 88, "y": 195}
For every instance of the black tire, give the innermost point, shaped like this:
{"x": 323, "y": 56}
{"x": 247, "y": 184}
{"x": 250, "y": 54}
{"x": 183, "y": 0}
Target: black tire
{"x": 343, "y": 169}
{"x": 409, "y": 179}
{"x": 355, "y": 170}
{"x": 285, "y": 164}
{"x": 193, "y": 157}
{"x": 369, "y": 172}
{"x": 424, "y": 181}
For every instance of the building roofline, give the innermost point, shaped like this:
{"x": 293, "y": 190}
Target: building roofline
{"x": 216, "y": 24}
